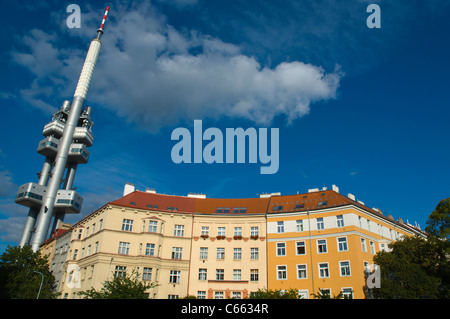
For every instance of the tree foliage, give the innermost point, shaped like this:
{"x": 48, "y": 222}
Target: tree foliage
{"x": 121, "y": 287}
{"x": 18, "y": 274}
{"x": 419, "y": 267}
{"x": 439, "y": 220}
{"x": 290, "y": 293}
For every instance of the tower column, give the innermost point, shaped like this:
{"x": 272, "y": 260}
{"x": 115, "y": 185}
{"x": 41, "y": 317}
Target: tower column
{"x": 33, "y": 212}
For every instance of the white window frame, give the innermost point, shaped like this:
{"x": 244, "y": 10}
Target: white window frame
{"x": 326, "y": 246}
{"x": 324, "y": 272}
{"x": 305, "y": 271}
{"x": 281, "y": 249}
{"x": 343, "y": 244}
{"x": 346, "y": 267}
{"x": 279, "y": 271}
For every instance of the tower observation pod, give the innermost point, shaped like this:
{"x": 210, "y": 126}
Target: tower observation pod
{"x": 65, "y": 144}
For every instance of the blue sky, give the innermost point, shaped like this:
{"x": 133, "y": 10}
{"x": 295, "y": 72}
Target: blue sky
{"x": 365, "y": 109}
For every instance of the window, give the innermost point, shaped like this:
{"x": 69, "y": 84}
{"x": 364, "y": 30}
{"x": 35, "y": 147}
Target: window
{"x": 325, "y": 292}
{"x": 150, "y": 250}
{"x": 281, "y": 272}
{"x": 203, "y": 252}
{"x": 281, "y": 249}
{"x": 75, "y": 253}
{"x": 236, "y": 295}
{"x": 301, "y": 272}
{"x": 127, "y": 225}
{"x": 237, "y": 273}
{"x": 298, "y": 206}
{"x": 100, "y": 224}
{"x": 363, "y": 245}
{"x": 202, "y": 274}
{"x": 342, "y": 244}
{"x": 221, "y": 231}
{"x": 176, "y": 252}
{"x": 254, "y": 231}
{"x": 220, "y": 273}
{"x": 201, "y": 294}
{"x": 254, "y": 253}
{"x": 300, "y": 248}
{"x": 147, "y": 273}
{"x": 347, "y": 293}
{"x": 237, "y": 231}
{"x": 299, "y": 225}
{"x": 80, "y": 231}
{"x": 239, "y": 210}
{"x": 120, "y": 271}
{"x": 174, "y": 277}
{"x": 254, "y": 275}
{"x": 321, "y": 246}
{"x": 124, "y": 248}
{"x": 205, "y": 231}
{"x": 220, "y": 253}
{"x": 237, "y": 253}
{"x": 152, "y": 226}
{"x": 372, "y": 248}
{"x": 323, "y": 203}
{"x": 222, "y": 210}
{"x": 172, "y": 296}
{"x": 323, "y": 270}
{"x": 280, "y": 227}
{"x": 340, "y": 221}
{"x": 303, "y": 294}
{"x": 218, "y": 295}
{"x": 344, "y": 266}
{"x": 277, "y": 208}
{"x": 179, "y": 231}
{"x": 320, "y": 224}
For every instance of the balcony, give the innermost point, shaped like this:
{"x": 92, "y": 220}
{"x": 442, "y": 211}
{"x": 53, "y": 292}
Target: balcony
{"x": 81, "y": 134}
{"x": 32, "y": 194}
{"x": 48, "y": 146}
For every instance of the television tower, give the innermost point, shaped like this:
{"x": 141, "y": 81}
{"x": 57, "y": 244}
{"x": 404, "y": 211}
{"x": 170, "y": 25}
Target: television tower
{"x": 67, "y": 137}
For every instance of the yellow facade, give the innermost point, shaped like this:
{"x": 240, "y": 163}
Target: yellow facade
{"x": 116, "y": 240}
{"x": 228, "y": 257}
{"x": 226, "y": 248}
{"x": 326, "y": 249}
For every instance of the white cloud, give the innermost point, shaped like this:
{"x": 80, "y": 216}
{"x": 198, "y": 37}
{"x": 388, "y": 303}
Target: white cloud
{"x": 155, "y": 76}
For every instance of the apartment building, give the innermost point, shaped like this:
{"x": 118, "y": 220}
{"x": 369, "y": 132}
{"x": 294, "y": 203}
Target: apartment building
{"x": 226, "y": 248}
{"x": 144, "y": 232}
{"x": 324, "y": 240}
{"x": 228, "y": 258}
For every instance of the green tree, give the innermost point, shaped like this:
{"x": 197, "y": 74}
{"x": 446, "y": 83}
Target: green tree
{"x": 407, "y": 272}
{"x": 439, "y": 220}
{"x": 290, "y": 293}
{"x": 121, "y": 287}
{"x": 19, "y": 277}
{"x": 418, "y": 267}
{"x": 325, "y": 294}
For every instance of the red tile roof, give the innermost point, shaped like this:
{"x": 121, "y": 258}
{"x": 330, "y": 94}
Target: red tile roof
{"x": 252, "y": 205}
{"x": 142, "y": 200}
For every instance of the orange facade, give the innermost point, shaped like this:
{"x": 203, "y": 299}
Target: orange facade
{"x": 326, "y": 247}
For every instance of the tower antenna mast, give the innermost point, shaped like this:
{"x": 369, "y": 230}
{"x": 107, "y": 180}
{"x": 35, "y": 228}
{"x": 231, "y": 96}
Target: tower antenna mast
{"x": 67, "y": 137}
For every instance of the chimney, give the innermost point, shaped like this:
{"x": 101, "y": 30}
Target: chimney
{"x": 129, "y": 188}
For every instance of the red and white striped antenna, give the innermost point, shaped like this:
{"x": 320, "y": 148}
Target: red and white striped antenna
{"x": 100, "y": 30}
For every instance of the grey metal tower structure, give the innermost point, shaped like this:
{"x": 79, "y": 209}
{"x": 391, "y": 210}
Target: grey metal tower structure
{"x": 67, "y": 137}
